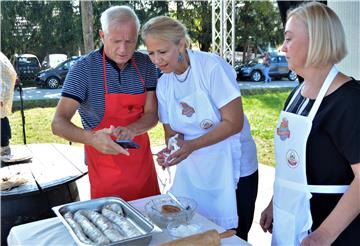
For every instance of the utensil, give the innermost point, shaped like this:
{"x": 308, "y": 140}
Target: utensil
{"x": 227, "y": 233}
{"x": 211, "y": 237}
{"x": 177, "y": 201}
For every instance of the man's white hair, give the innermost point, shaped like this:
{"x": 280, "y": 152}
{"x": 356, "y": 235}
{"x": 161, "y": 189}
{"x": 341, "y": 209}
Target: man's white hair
{"x": 118, "y": 14}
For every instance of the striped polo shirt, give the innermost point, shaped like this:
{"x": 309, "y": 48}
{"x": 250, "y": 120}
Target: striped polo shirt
{"x": 85, "y": 83}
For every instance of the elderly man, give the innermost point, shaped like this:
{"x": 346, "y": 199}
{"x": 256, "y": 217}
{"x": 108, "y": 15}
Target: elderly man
{"x": 113, "y": 88}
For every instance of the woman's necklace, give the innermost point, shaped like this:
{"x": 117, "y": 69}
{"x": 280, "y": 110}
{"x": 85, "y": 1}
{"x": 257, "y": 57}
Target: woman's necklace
{"x": 186, "y": 76}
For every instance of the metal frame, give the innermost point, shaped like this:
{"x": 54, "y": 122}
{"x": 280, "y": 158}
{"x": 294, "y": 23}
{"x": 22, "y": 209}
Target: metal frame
{"x": 223, "y": 29}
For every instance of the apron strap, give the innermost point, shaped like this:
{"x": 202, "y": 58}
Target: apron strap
{"x": 138, "y": 71}
{"x": 324, "y": 88}
{"x": 328, "y": 189}
{"x": 134, "y": 64}
{"x": 104, "y": 65}
{"x": 322, "y": 189}
{"x": 294, "y": 96}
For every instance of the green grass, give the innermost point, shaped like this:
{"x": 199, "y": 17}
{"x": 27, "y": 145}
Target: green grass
{"x": 262, "y": 110}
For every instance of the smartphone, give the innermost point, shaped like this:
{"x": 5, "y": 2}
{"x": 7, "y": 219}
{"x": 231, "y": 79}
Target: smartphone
{"x": 127, "y": 144}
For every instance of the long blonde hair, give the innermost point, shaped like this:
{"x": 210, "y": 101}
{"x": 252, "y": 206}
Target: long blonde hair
{"x": 166, "y": 28}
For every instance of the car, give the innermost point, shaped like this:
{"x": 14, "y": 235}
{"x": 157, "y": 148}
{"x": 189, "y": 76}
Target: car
{"x": 26, "y": 66}
{"x": 52, "y": 78}
{"x": 254, "y": 69}
{"x": 52, "y": 60}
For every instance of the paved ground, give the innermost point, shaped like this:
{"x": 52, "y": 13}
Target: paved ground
{"x": 273, "y": 84}
{"x": 34, "y": 93}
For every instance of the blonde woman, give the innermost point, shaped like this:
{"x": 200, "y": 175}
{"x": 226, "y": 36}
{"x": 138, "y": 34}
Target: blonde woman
{"x": 199, "y": 99}
{"x": 317, "y": 190}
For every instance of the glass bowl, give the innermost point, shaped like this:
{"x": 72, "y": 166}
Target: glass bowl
{"x": 155, "y": 210}
{"x": 179, "y": 230}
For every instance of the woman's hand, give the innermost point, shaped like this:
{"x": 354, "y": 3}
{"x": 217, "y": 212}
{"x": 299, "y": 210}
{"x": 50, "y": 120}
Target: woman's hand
{"x": 317, "y": 237}
{"x": 161, "y": 157}
{"x": 186, "y": 148}
{"x": 266, "y": 218}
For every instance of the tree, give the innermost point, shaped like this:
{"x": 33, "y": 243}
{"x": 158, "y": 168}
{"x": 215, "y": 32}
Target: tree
{"x": 258, "y": 24}
{"x": 43, "y": 27}
{"x": 87, "y": 25}
{"x": 38, "y": 27}
{"x": 144, "y": 10}
{"x": 196, "y": 16}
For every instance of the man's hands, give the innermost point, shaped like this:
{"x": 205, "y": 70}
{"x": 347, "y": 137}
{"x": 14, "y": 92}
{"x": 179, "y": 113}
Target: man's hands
{"x": 102, "y": 141}
{"x": 123, "y": 133}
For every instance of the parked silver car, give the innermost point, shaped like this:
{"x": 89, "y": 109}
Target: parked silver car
{"x": 254, "y": 70}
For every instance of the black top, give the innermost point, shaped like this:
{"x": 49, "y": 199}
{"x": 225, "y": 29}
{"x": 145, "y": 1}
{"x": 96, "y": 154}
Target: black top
{"x": 332, "y": 147}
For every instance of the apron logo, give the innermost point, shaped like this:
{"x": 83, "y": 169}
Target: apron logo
{"x": 292, "y": 158}
{"x": 283, "y": 130}
{"x": 206, "y": 124}
{"x": 186, "y": 109}
{"x": 130, "y": 108}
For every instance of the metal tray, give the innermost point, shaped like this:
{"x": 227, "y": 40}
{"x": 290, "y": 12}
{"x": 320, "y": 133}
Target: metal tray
{"x": 145, "y": 227}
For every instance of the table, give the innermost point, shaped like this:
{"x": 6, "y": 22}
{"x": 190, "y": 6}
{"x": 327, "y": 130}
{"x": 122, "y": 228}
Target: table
{"x": 51, "y": 175}
{"x": 53, "y": 232}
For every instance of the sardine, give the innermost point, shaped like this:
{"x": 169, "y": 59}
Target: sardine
{"x": 126, "y": 227}
{"x": 90, "y": 229}
{"x": 115, "y": 207}
{"x": 104, "y": 224}
{"x": 77, "y": 228}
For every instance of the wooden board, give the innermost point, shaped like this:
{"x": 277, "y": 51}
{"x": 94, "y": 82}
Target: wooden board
{"x": 20, "y": 153}
{"x": 25, "y": 172}
{"x": 74, "y": 154}
{"x": 50, "y": 167}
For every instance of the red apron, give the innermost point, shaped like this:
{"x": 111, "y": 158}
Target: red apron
{"x": 129, "y": 177}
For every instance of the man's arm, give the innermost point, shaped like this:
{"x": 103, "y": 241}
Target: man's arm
{"x": 147, "y": 121}
{"x": 63, "y": 127}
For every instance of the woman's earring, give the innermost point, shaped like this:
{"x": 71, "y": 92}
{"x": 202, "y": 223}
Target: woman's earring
{"x": 180, "y": 58}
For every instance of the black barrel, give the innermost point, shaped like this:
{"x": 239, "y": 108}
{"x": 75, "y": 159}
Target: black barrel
{"x": 25, "y": 208}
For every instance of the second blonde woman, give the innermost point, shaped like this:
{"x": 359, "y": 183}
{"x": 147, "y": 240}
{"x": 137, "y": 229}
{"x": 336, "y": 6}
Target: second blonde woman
{"x": 199, "y": 99}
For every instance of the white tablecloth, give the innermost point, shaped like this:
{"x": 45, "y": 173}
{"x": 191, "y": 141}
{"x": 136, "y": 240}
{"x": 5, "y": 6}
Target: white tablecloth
{"x": 53, "y": 232}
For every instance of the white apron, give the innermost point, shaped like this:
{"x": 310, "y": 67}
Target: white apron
{"x": 207, "y": 174}
{"x": 291, "y": 201}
